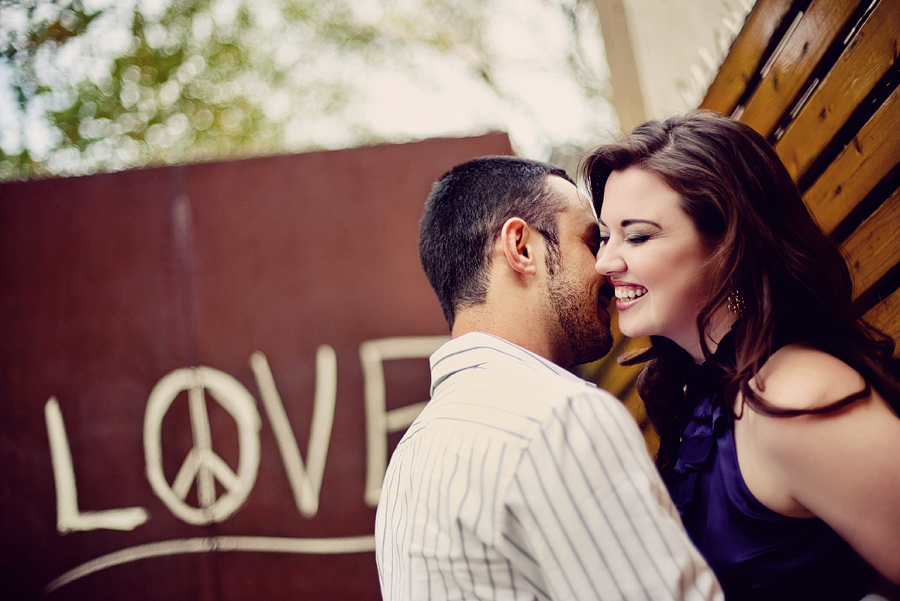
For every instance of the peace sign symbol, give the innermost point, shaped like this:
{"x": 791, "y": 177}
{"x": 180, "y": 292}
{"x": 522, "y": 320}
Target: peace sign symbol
{"x": 201, "y": 463}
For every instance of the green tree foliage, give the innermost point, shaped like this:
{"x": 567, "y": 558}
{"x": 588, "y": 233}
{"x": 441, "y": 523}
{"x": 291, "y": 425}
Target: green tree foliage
{"x": 101, "y": 87}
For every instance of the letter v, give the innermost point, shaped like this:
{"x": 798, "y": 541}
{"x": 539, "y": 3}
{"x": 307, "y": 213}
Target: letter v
{"x": 306, "y": 482}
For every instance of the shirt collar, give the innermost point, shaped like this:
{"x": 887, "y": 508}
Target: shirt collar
{"x": 477, "y": 348}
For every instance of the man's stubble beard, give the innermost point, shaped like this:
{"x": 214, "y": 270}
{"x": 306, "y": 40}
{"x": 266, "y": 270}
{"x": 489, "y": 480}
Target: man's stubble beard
{"x": 585, "y": 334}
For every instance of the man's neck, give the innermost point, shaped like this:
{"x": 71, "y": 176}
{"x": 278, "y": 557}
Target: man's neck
{"x": 526, "y": 331}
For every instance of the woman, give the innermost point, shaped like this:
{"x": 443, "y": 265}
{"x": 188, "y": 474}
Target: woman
{"x": 777, "y": 409}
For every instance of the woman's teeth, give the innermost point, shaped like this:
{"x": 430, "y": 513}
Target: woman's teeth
{"x": 630, "y": 293}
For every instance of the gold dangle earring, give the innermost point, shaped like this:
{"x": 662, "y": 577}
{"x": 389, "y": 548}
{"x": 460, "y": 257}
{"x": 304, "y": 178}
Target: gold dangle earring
{"x": 735, "y": 302}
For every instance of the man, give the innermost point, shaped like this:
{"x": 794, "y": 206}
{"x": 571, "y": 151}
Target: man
{"x": 520, "y": 480}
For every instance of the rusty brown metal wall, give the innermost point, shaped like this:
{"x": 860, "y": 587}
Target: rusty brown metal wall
{"x": 127, "y": 298}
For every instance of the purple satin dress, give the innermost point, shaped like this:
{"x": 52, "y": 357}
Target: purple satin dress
{"x": 756, "y": 553}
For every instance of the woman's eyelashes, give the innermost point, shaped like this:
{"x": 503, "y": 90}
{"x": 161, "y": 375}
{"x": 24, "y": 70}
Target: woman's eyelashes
{"x": 630, "y": 238}
{"x": 637, "y": 238}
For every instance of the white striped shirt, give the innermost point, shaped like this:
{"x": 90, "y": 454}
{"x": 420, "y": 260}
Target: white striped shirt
{"x": 522, "y": 481}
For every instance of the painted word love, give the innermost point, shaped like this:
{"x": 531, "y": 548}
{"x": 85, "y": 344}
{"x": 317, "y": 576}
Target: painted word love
{"x": 204, "y": 468}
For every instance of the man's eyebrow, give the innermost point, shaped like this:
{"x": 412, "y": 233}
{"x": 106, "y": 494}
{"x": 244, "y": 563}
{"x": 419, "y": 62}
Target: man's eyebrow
{"x": 627, "y": 222}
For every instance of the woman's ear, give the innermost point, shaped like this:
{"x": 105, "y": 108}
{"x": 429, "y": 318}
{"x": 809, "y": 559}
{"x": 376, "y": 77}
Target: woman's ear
{"x": 518, "y": 241}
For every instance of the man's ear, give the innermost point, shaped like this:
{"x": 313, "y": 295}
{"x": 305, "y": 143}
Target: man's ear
{"x": 518, "y": 241}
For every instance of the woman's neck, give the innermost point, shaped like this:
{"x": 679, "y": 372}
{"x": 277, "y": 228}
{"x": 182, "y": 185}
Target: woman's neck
{"x": 721, "y": 323}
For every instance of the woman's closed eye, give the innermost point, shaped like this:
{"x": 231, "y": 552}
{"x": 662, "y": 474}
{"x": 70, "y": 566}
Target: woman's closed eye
{"x": 632, "y": 238}
{"x": 637, "y": 238}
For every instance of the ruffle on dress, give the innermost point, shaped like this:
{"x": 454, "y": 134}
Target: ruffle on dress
{"x": 698, "y": 449}
{"x": 710, "y": 419}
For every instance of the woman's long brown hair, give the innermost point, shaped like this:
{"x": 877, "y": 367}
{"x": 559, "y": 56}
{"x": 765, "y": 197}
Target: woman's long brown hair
{"x": 764, "y": 243}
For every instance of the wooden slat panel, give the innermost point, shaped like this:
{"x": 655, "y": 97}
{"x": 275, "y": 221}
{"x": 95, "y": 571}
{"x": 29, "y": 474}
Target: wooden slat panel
{"x": 874, "y": 247}
{"x": 867, "y": 58}
{"x": 779, "y": 89}
{"x": 746, "y": 56}
{"x": 886, "y": 317}
{"x": 859, "y": 167}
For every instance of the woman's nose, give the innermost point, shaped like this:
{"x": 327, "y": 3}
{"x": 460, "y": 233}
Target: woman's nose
{"x": 609, "y": 260}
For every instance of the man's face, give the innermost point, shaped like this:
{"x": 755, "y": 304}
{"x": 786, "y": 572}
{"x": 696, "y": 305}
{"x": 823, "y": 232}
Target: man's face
{"x": 578, "y": 295}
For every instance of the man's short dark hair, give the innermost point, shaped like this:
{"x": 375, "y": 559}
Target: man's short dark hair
{"x": 463, "y": 216}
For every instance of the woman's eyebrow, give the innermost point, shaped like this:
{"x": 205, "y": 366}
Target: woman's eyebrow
{"x": 627, "y": 222}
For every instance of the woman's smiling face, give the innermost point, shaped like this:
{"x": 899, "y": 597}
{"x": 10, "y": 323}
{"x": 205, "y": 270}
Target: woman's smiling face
{"x": 653, "y": 255}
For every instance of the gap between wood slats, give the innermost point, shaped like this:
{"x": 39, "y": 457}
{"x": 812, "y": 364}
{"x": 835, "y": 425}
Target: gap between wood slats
{"x": 860, "y": 166}
{"x": 849, "y": 86}
{"x": 873, "y": 249}
{"x": 886, "y": 317}
{"x": 758, "y": 38}
{"x": 805, "y": 56}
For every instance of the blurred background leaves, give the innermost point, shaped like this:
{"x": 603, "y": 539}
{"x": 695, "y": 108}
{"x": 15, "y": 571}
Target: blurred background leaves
{"x": 105, "y": 85}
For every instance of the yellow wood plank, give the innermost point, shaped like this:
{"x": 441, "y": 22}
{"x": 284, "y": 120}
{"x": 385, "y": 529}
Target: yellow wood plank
{"x": 886, "y": 317}
{"x": 780, "y": 88}
{"x": 746, "y": 56}
{"x": 872, "y": 153}
{"x": 872, "y": 52}
{"x": 874, "y": 247}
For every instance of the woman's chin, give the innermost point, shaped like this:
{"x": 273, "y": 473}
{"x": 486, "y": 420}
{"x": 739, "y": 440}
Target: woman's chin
{"x": 630, "y": 332}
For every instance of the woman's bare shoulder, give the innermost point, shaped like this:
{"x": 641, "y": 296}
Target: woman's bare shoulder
{"x": 801, "y": 377}
{"x": 840, "y": 465}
